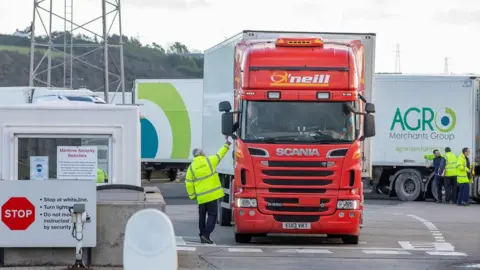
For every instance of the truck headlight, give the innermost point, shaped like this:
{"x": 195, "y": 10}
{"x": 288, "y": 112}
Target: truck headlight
{"x": 348, "y": 204}
{"x": 246, "y": 203}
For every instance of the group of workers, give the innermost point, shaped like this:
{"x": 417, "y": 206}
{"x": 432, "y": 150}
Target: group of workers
{"x": 455, "y": 174}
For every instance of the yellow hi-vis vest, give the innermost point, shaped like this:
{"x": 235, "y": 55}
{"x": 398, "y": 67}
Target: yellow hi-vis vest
{"x": 101, "y": 176}
{"x": 450, "y": 164}
{"x": 202, "y": 181}
{"x": 462, "y": 176}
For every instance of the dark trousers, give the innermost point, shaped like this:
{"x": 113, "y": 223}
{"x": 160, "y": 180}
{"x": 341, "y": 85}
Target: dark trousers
{"x": 439, "y": 182}
{"x": 450, "y": 188}
{"x": 210, "y": 209}
{"x": 463, "y": 193}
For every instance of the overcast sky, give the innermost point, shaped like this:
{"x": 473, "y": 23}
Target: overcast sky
{"x": 427, "y": 30}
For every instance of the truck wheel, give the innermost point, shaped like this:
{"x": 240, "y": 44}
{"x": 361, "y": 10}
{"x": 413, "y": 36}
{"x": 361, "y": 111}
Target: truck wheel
{"x": 408, "y": 185}
{"x": 243, "y": 238}
{"x": 477, "y": 200}
{"x": 350, "y": 239}
{"x": 172, "y": 174}
{"x": 224, "y": 214}
{"x": 433, "y": 188}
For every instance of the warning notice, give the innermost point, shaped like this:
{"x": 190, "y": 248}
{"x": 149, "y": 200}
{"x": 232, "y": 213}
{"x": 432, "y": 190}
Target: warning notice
{"x": 56, "y": 212}
{"x": 38, "y": 213}
{"x": 77, "y": 162}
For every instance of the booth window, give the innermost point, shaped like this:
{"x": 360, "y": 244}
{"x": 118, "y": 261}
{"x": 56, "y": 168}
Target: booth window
{"x": 46, "y": 146}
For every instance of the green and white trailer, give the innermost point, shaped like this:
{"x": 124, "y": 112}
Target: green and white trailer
{"x": 171, "y": 121}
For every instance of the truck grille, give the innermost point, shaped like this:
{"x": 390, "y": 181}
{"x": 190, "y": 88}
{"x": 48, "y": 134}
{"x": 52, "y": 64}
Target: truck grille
{"x": 297, "y": 173}
{"x": 298, "y": 190}
{"x": 294, "y": 218}
{"x": 297, "y": 182}
{"x": 298, "y": 209}
{"x": 300, "y": 164}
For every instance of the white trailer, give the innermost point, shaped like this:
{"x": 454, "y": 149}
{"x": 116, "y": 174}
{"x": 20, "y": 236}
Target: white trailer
{"x": 171, "y": 121}
{"x": 34, "y": 95}
{"x": 417, "y": 114}
{"x": 36, "y": 131}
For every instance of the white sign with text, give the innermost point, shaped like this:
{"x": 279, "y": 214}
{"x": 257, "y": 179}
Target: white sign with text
{"x": 77, "y": 162}
{"x": 37, "y": 213}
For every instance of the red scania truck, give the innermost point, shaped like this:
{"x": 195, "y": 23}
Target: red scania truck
{"x": 300, "y": 121}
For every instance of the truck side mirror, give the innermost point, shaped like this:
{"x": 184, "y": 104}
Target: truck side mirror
{"x": 224, "y": 106}
{"x": 369, "y": 126}
{"x": 227, "y": 124}
{"x": 370, "y": 107}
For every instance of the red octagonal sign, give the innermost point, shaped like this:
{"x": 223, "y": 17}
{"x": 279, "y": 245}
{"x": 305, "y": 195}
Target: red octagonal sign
{"x": 18, "y": 213}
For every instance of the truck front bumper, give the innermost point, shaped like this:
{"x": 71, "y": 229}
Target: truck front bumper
{"x": 252, "y": 221}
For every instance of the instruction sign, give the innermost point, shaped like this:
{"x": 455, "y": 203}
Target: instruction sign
{"x": 38, "y": 167}
{"x": 37, "y": 213}
{"x": 77, "y": 162}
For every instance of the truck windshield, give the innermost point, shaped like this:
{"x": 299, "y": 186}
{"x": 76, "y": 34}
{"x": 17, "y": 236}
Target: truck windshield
{"x": 287, "y": 121}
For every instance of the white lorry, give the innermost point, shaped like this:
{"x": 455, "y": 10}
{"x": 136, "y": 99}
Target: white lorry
{"x": 417, "y": 114}
{"x": 35, "y": 95}
{"x": 171, "y": 124}
{"x": 65, "y": 141}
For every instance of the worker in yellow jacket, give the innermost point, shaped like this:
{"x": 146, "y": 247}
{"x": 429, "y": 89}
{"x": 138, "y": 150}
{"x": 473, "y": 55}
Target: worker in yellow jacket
{"x": 202, "y": 183}
{"x": 450, "y": 177}
{"x": 463, "y": 181}
{"x": 102, "y": 176}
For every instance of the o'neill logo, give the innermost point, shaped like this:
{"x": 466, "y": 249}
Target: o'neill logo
{"x": 297, "y": 152}
{"x": 285, "y": 78}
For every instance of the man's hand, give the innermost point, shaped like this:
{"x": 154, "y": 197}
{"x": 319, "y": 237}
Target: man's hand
{"x": 227, "y": 141}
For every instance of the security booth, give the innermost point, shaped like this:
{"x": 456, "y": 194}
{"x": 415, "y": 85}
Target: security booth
{"x": 70, "y": 141}
{"x": 61, "y": 150}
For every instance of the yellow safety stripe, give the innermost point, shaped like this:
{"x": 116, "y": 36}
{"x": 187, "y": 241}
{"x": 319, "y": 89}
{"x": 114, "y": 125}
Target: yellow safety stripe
{"x": 195, "y": 179}
{"x": 209, "y": 191}
{"x": 450, "y": 165}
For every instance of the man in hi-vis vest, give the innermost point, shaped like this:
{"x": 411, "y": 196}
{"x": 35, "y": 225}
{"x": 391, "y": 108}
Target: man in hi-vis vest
{"x": 450, "y": 176}
{"x": 202, "y": 183}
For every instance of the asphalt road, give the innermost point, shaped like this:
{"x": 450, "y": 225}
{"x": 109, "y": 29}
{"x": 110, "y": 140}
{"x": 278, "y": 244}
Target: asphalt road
{"x": 396, "y": 235}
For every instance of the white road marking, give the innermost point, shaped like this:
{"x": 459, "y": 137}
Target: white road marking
{"x": 245, "y": 250}
{"x": 386, "y": 252}
{"x": 437, "y": 235}
{"x": 323, "y": 251}
{"x": 180, "y": 241}
{"x": 309, "y": 251}
{"x": 185, "y": 248}
{"x": 427, "y": 246}
{"x": 443, "y": 253}
{"x": 475, "y": 265}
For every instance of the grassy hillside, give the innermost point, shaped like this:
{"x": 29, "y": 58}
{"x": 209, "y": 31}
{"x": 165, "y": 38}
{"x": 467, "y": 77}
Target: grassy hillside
{"x": 141, "y": 62}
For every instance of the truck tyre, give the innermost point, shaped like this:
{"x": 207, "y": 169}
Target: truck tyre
{"x": 243, "y": 238}
{"x": 408, "y": 185}
{"x": 172, "y": 174}
{"x": 224, "y": 215}
{"x": 477, "y": 200}
{"x": 433, "y": 188}
{"x": 350, "y": 239}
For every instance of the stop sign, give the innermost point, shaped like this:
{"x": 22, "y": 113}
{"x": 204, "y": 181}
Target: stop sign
{"x": 18, "y": 213}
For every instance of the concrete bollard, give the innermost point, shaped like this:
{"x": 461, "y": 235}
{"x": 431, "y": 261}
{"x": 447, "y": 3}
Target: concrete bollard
{"x": 149, "y": 242}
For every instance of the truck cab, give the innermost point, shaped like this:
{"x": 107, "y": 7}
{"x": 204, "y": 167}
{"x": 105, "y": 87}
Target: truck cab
{"x": 299, "y": 118}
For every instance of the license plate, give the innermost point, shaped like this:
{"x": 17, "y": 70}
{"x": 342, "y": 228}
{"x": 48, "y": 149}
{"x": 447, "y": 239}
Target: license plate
{"x": 299, "y": 226}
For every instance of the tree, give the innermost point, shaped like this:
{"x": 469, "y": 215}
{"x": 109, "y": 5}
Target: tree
{"x": 178, "y": 48}
{"x": 158, "y": 47}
